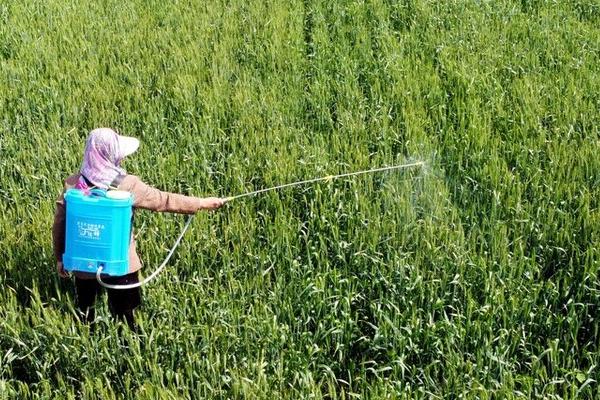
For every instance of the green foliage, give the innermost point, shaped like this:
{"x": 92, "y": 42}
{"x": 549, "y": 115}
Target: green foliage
{"x": 475, "y": 277}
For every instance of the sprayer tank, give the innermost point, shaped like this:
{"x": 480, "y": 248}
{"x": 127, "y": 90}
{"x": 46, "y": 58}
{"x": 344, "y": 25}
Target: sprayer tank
{"x": 98, "y": 231}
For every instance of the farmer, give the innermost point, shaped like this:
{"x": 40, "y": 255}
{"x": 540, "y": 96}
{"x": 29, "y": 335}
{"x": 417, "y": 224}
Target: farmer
{"x": 104, "y": 151}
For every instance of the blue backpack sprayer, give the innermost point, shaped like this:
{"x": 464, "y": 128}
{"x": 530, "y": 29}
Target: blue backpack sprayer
{"x": 98, "y": 231}
{"x": 98, "y": 228}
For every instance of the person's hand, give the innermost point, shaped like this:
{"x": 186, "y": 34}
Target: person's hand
{"x": 212, "y": 203}
{"x": 60, "y": 268}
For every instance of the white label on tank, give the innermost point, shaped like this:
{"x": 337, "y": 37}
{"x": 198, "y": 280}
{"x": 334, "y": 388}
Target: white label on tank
{"x": 90, "y": 231}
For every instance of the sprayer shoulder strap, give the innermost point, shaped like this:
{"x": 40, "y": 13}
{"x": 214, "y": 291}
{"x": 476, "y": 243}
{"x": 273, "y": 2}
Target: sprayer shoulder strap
{"x": 113, "y": 185}
{"x": 116, "y": 182}
{"x": 87, "y": 181}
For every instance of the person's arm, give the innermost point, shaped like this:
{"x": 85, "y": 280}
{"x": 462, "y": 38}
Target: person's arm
{"x": 58, "y": 235}
{"x": 151, "y": 198}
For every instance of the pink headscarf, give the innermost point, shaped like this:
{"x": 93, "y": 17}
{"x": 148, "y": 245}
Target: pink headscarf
{"x": 101, "y": 159}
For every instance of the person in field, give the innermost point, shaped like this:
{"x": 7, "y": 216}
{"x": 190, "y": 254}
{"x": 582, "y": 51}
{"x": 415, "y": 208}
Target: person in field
{"x": 101, "y": 168}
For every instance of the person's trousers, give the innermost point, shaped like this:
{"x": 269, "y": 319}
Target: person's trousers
{"x": 121, "y": 302}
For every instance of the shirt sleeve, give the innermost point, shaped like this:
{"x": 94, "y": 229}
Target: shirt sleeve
{"x": 151, "y": 198}
{"x": 58, "y": 229}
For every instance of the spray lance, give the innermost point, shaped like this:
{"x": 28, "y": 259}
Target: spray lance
{"x": 244, "y": 195}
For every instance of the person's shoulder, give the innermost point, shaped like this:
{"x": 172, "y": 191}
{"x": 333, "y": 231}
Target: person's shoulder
{"x": 71, "y": 181}
{"x": 138, "y": 188}
{"x": 68, "y": 183}
{"x": 130, "y": 183}
{"x": 129, "y": 180}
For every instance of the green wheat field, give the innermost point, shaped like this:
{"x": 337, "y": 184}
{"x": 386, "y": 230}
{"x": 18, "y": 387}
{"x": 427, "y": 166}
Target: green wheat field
{"x": 473, "y": 276}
